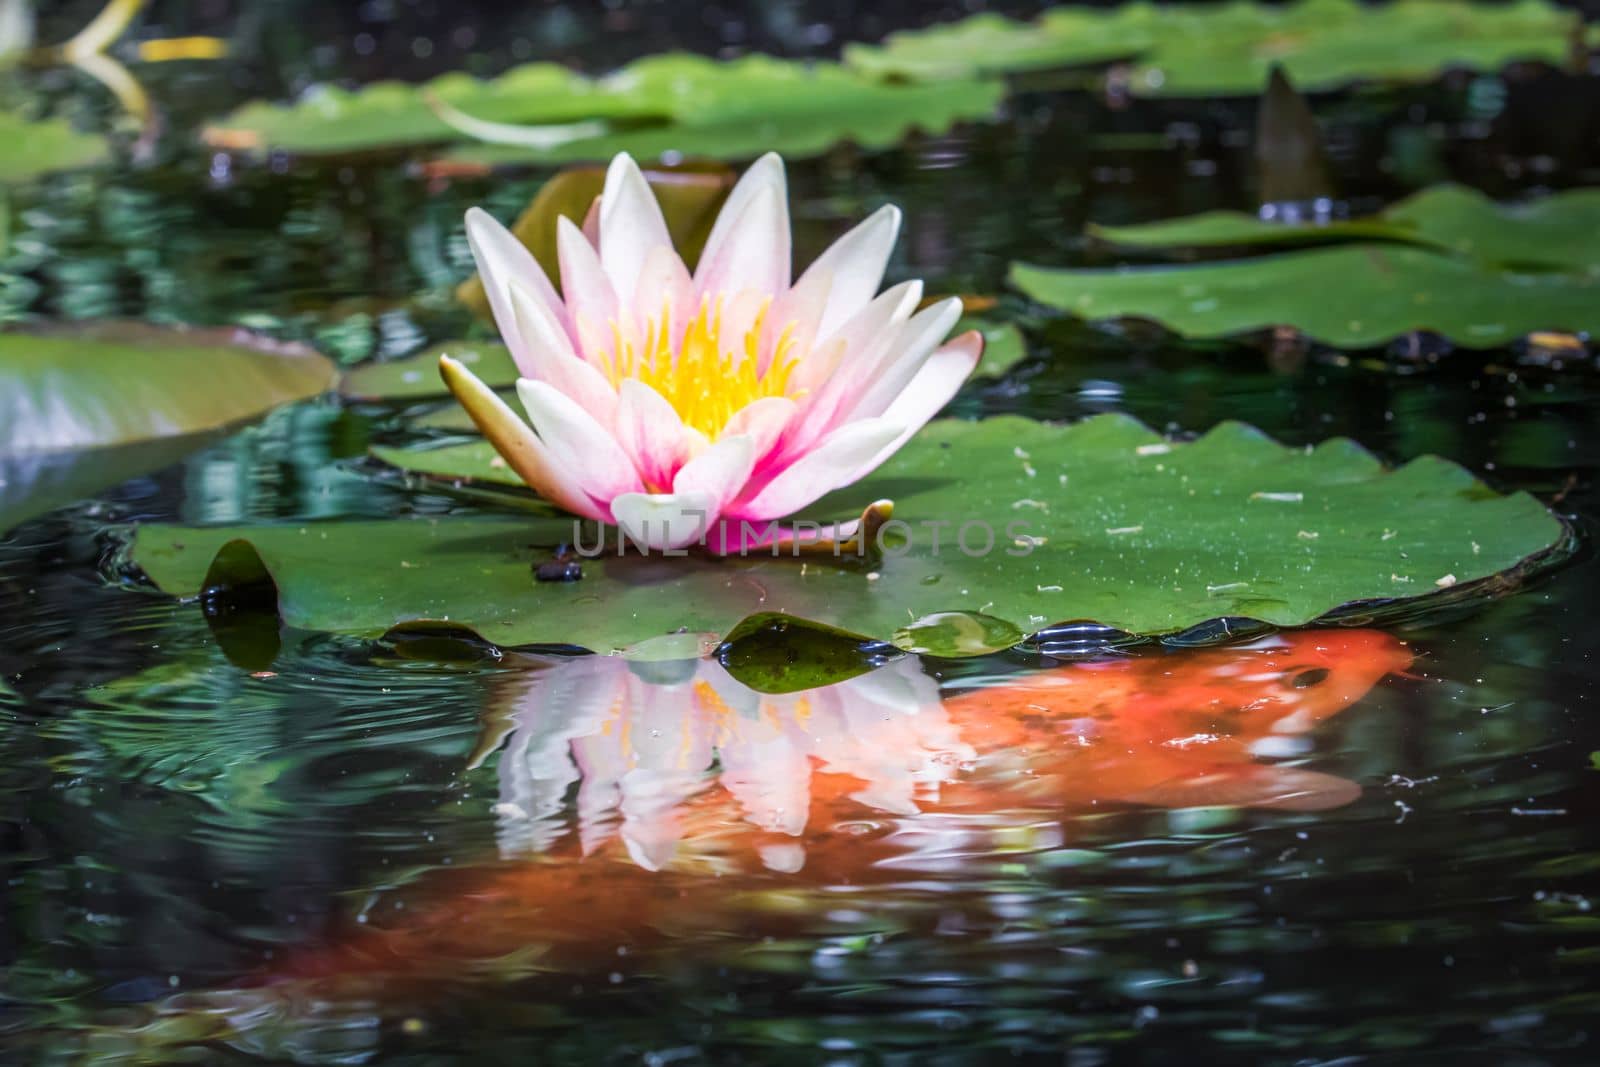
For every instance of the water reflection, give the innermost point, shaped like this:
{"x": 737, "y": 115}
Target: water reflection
{"x": 677, "y": 754}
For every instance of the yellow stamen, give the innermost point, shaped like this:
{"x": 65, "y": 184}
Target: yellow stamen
{"x": 704, "y": 382}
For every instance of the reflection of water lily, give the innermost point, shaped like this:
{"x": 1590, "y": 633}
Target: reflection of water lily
{"x": 642, "y": 739}
{"x": 663, "y": 401}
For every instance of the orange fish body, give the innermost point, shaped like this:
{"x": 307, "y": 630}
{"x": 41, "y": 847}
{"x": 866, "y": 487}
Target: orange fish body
{"x": 1174, "y": 730}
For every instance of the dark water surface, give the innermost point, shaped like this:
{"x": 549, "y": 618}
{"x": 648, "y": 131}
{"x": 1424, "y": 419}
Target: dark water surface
{"x": 178, "y": 828}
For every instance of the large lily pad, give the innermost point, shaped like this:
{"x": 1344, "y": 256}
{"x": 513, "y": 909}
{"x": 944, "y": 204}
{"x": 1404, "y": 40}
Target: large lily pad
{"x": 1556, "y": 233}
{"x": 1214, "y": 49}
{"x": 1348, "y": 296}
{"x": 113, "y": 383}
{"x": 682, "y": 104}
{"x": 32, "y": 147}
{"x": 1101, "y": 520}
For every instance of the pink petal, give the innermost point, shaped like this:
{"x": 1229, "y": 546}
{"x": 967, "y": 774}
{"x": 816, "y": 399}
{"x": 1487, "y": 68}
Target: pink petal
{"x": 631, "y": 224}
{"x": 664, "y": 289}
{"x": 578, "y": 443}
{"x": 650, "y": 431}
{"x": 591, "y": 302}
{"x": 755, "y": 253}
{"x": 720, "y": 471}
{"x": 831, "y": 464}
{"x": 548, "y": 357}
{"x": 763, "y": 421}
{"x": 849, "y": 272}
{"x": 662, "y": 521}
{"x": 862, "y": 341}
{"x": 502, "y": 260}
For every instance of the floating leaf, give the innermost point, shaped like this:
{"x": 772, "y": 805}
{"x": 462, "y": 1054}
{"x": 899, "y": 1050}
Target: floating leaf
{"x": 1003, "y": 345}
{"x": 417, "y": 375}
{"x": 1216, "y": 49}
{"x": 1100, "y": 520}
{"x": 1348, "y": 296}
{"x": 689, "y": 197}
{"x": 35, "y": 147}
{"x": 1555, "y": 233}
{"x": 112, "y": 383}
{"x": 676, "y": 103}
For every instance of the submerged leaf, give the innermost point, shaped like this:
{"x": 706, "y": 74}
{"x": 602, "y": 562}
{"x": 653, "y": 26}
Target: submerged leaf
{"x": 1035, "y": 525}
{"x": 1210, "y": 49}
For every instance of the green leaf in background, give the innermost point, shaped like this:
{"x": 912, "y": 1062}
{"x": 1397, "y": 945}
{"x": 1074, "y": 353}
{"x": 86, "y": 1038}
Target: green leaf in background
{"x": 417, "y": 375}
{"x": 30, "y": 148}
{"x": 116, "y": 382}
{"x": 675, "y": 103}
{"x": 1003, "y": 345}
{"x": 1347, "y": 296}
{"x": 1555, "y": 233}
{"x": 1218, "y": 49}
{"x": 1101, "y": 520}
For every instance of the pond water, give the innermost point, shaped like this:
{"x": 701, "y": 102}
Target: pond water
{"x": 422, "y": 849}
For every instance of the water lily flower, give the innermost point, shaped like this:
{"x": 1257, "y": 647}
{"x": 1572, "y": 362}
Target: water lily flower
{"x": 700, "y": 407}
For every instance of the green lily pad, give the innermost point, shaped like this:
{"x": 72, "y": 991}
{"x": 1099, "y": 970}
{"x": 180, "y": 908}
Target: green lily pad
{"x": 114, "y": 383}
{"x": 676, "y": 103}
{"x": 1101, "y": 520}
{"x": 417, "y": 375}
{"x": 1217, "y": 49}
{"x": 1003, "y": 345}
{"x": 1555, "y": 233}
{"x": 1348, "y": 296}
{"x": 42, "y": 146}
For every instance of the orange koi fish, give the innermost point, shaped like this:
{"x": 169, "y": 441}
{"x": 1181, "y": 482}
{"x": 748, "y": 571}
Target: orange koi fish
{"x": 691, "y": 789}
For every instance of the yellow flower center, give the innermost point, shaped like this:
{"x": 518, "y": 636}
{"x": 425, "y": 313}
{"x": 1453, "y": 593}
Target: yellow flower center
{"x": 704, "y": 381}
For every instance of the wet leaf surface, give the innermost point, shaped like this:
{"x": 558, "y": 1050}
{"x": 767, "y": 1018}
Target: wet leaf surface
{"x": 1036, "y": 524}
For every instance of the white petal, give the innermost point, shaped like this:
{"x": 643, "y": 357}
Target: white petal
{"x": 720, "y": 471}
{"x": 548, "y": 357}
{"x": 631, "y": 224}
{"x": 754, "y": 255}
{"x": 582, "y": 447}
{"x": 826, "y": 467}
{"x": 939, "y": 379}
{"x": 916, "y": 343}
{"x": 661, "y": 521}
{"x": 584, "y": 286}
{"x": 503, "y": 261}
{"x": 764, "y": 174}
{"x": 849, "y": 272}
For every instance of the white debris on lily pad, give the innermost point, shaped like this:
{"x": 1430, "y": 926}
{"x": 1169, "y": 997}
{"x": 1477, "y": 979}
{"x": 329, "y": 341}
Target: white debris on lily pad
{"x": 1118, "y": 531}
{"x": 1309, "y": 535}
{"x": 1398, "y": 578}
{"x": 1028, "y": 502}
{"x": 1029, "y": 541}
{"x": 1226, "y": 587}
{"x": 1387, "y": 535}
{"x": 1158, "y": 449}
{"x": 1280, "y": 498}
{"x": 1049, "y": 588}
{"x": 1446, "y": 582}
{"x": 498, "y": 463}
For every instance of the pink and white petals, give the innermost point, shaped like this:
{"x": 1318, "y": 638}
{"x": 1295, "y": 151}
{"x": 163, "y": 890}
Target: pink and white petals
{"x": 675, "y": 404}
